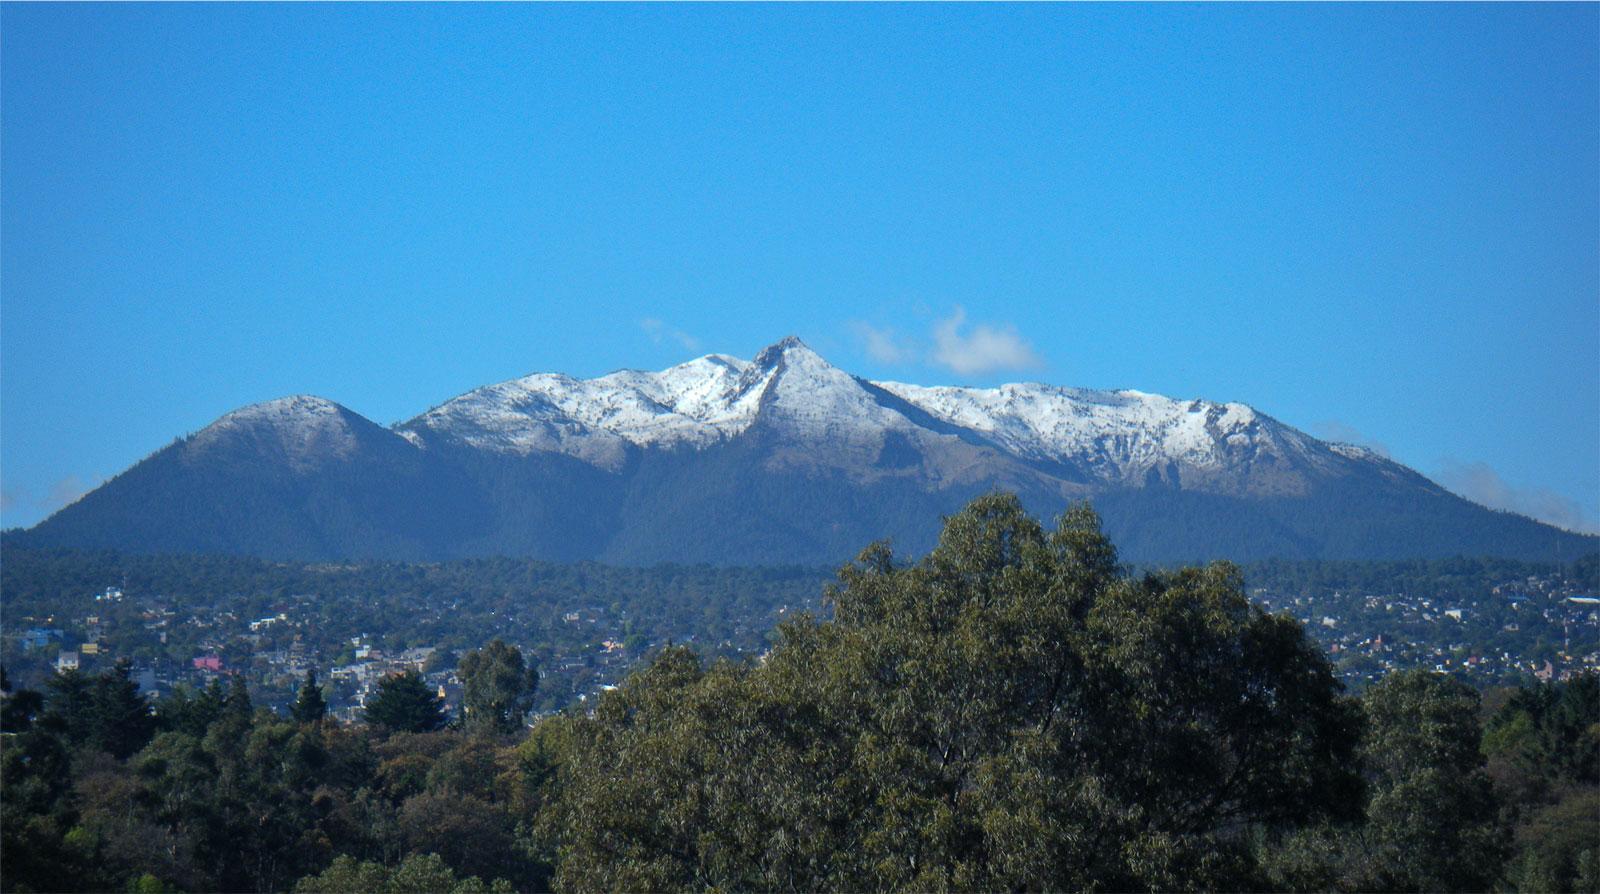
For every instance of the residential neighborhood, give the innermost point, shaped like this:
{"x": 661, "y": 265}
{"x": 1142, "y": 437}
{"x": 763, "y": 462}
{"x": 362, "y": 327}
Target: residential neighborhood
{"x": 1530, "y": 627}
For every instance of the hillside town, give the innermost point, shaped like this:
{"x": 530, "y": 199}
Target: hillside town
{"x": 1536, "y": 627}
{"x": 1546, "y": 627}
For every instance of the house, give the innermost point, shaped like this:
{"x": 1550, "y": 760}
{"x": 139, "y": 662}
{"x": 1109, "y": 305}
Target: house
{"x": 264, "y": 623}
{"x": 39, "y": 637}
{"x": 208, "y": 663}
{"x": 67, "y": 661}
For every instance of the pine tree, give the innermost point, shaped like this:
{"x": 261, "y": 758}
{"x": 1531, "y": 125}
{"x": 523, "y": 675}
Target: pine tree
{"x": 120, "y": 717}
{"x": 310, "y": 706}
{"x": 403, "y": 703}
{"x": 238, "y": 700}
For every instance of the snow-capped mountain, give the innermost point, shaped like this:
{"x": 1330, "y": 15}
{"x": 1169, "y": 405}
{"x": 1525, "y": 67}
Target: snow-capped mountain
{"x": 1117, "y": 438}
{"x": 692, "y": 405}
{"x": 304, "y": 431}
{"x": 780, "y": 458}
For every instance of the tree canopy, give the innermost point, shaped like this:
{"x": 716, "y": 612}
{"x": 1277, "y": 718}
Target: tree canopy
{"x": 1016, "y": 710}
{"x": 1010, "y": 712}
{"x": 309, "y": 705}
{"x": 497, "y": 687}
{"x": 403, "y": 703}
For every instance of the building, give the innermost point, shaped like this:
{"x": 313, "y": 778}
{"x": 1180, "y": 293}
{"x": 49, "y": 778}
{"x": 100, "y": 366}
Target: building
{"x": 39, "y": 637}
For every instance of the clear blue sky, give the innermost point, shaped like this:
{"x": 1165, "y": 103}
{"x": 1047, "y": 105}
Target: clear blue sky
{"x": 1372, "y": 222}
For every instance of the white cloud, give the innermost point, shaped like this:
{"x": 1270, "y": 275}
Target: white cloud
{"x": 1480, "y": 483}
{"x": 883, "y": 345}
{"x": 25, "y": 506}
{"x": 986, "y": 349}
{"x": 1334, "y": 430}
{"x": 660, "y": 331}
{"x": 65, "y": 491}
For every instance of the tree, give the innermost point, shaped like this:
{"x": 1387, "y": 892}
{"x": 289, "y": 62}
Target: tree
{"x": 190, "y": 711}
{"x": 104, "y": 712}
{"x": 498, "y": 688}
{"x": 403, "y": 703}
{"x": 69, "y": 704}
{"x": 1013, "y": 711}
{"x": 237, "y": 704}
{"x": 122, "y": 721}
{"x": 418, "y": 874}
{"x": 19, "y": 710}
{"x": 309, "y": 704}
{"x": 1432, "y": 822}
{"x": 1561, "y": 846}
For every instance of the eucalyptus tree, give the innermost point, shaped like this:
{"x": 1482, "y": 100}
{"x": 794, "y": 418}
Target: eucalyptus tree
{"x": 1012, "y": 711}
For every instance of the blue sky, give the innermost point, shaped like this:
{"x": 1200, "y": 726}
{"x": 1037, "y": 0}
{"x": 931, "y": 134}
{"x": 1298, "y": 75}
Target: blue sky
{"x": 1378, "y": 223}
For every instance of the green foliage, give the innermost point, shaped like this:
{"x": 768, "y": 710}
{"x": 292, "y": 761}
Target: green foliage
{"x": 1559, "y": 846}
{"x": 498, "y": 688}
{"x": 309, "y": 705}
{"x": 418, "y": 874}
{"x": 1009, "y": 712}
{"x": 191, "y": 712}
{"x": 1549, "y": 734}
{"x": 149, "y": 884}
{"x": 403, "y": 703}
{"x": 1016, "y": 710}
{"x": 1432, "y": 819}
{"x": 104, "y": 712}
{"x": 18, "y": 712}
{"x": 1543, "y": 748}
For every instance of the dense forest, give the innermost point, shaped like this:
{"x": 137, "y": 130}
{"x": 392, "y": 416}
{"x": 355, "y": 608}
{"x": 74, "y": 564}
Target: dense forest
{"x": 1016, "y": 709}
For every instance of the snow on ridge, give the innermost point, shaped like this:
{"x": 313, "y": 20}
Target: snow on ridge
{"x": 1355, "y": 451}
{"x": 296, "y": 412}
{"x": 693, "y": 403}
{"x": 711, "y": 398}
{"x": 1121, "y": 427}
{"x": 304, "y": 425}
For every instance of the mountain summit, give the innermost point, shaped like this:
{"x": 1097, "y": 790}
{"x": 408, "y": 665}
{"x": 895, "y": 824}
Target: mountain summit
{"x": 781, "y": 458}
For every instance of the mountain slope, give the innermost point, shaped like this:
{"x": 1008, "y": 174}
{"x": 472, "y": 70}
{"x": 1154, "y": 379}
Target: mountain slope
{"x": 781, "y": 458}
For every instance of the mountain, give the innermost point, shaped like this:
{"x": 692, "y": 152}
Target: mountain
{"x": 782, "y": 458}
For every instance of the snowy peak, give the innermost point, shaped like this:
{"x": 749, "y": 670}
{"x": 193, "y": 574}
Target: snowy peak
{"x": 788, "y": 351}
{"x": 1127, "y": 438}
{"x": 694, "y": 404}
{"x": 779, "y": 458}
{"x": 305, "y": 429}
{"x": 301, "y": 415}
